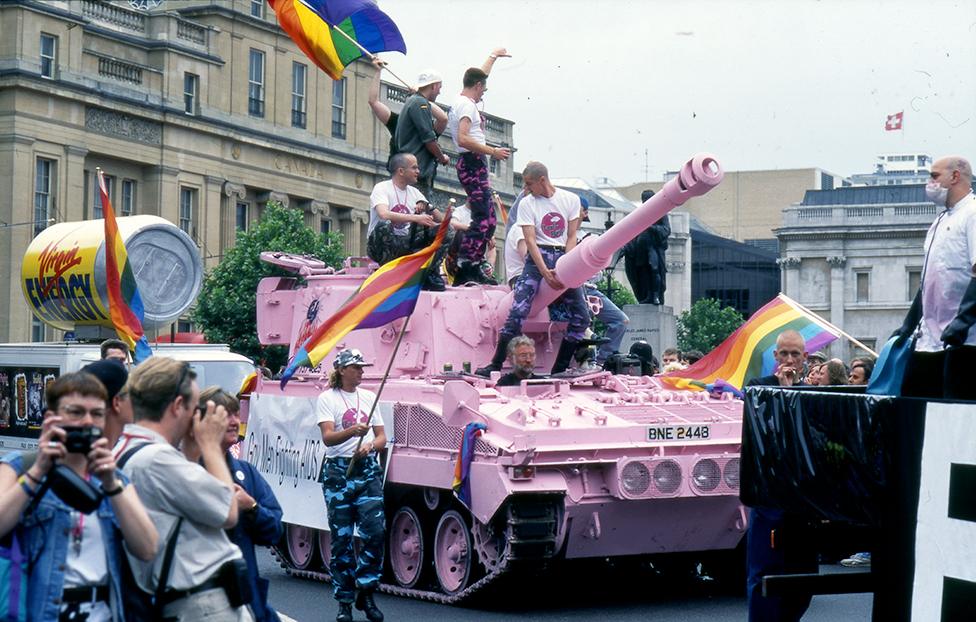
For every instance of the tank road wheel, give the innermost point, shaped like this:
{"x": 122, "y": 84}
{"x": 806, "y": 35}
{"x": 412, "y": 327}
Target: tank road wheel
{"x": 453, "y": 552}
{"x": 325, "y": 549}
{"x": 407, "y": 547}
{"x": 301, "y": 545}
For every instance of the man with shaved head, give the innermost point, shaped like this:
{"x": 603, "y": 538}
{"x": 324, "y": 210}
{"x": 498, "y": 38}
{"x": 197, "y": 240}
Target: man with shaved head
{"x": 944, "y": 310}
{"x": 763, "y": 556}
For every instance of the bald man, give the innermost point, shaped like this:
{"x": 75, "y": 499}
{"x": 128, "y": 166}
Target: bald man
{"x": 791, "y": 353}
{"x": 944, "y": 309}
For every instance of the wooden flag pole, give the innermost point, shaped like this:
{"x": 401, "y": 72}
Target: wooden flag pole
{"x": 832, "y": 326}
{"x": 371, "y": 56}
{"x": 379, "y": 391}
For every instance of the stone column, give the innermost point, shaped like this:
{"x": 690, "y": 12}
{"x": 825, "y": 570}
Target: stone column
{"x": 16, "y": 206}
{"x": 790, "y": 276}
{"x": 837, "y": 275}
{"x": 315, "y": 212}
{"x": 162, "y": 194}
{"x": 209, "y": 220}
{"x": 74, "y": 185}
{"x": 232, "y": 193}
{"x": 352, "y": 224}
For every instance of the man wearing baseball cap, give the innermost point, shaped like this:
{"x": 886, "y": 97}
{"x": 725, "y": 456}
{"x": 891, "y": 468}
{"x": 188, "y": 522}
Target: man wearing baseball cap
{"x": 118, "y": 412}
{"x": 350, "y": 436}
{"x": 415, "y": 130}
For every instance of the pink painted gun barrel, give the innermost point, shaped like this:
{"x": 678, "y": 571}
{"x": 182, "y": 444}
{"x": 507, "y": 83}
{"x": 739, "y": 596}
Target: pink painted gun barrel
{"x": 697, "y": 176}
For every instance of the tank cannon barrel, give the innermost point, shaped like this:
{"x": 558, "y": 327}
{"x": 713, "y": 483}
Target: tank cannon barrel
{"x": 697, "y": 176}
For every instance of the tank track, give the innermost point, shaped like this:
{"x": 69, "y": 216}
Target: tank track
{"x": 532, "y": 528}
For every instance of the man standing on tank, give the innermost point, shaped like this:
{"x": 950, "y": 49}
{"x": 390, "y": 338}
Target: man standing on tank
{"x": 415, "y": 132}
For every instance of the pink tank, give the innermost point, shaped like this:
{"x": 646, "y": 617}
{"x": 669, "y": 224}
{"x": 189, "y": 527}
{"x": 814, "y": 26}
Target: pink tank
{"x": 597, "y": 465}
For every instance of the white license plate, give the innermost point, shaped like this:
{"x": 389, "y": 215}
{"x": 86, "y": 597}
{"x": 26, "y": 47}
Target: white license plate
{"x": 678, "y": 433}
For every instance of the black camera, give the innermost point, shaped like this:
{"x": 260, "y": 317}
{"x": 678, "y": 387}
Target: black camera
{"x": 81, "y": 439}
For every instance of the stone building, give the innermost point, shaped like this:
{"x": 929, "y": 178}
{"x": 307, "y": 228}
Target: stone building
{"x": 198, "y": 111}
{"x": 855, "y": 256}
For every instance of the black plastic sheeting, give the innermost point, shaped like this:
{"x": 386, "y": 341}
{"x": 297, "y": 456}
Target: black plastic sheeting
{"x": 825, "y": 455}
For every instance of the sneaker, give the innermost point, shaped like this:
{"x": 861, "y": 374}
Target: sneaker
{"x": 857, "y": 560}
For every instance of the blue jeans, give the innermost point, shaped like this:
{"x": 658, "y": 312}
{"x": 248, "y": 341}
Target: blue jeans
{"x": 616, "y": 321}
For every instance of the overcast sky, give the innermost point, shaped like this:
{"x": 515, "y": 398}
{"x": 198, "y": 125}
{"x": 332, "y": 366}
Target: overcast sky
{"x": 761, "y": 84}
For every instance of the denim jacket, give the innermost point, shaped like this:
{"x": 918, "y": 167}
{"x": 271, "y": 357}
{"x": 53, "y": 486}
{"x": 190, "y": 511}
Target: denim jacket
{"x": 45, "y": 534}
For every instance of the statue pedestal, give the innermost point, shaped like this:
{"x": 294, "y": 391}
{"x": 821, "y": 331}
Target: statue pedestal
{"x": 654, "y": 324}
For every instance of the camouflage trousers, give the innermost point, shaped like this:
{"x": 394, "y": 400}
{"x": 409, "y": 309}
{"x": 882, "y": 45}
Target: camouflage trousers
{"x": 383, "y": 245}
{"x": 570, "y": 307}
{"x": 356, "y": 501}
{"x": 472, "y": 172}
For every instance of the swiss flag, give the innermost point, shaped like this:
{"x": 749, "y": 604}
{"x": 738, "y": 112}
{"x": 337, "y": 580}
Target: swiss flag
{"x": 894, "y": 121}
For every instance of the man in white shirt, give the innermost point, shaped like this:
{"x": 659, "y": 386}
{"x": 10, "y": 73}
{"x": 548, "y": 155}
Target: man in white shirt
{"x": 180, "y": 494}
{"x": 467, "y": 125}
{"x": 549, "y": 218}
{"x": 401, "y": 221}
{"x": 944, "y": 309}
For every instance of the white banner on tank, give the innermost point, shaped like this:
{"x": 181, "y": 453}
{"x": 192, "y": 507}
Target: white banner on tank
{"x": 285, "y": 444}
{"x": 945, "y": 547}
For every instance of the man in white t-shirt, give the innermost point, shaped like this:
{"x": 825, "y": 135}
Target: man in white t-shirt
{"x": 549, "y": 218}
{"x": 401, "y": 221}
{"x": 944, "y": 309}
{"x": 467, "y": 125}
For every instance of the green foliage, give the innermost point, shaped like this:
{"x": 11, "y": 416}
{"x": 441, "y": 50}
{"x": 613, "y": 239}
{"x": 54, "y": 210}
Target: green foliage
{"x": 706, "y": 325}
{"x": 225, "y": 310}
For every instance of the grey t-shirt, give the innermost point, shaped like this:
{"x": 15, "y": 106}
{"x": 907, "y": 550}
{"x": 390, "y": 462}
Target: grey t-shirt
{"x": 171, "y": 486}
{"x": 415, "y": 128}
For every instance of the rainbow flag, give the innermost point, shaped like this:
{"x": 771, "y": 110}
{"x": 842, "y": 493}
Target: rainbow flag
{"x": 749, "y": 351}
{"x": 462, "y": 468}
{"x": 124, "y": 302}
{"x": 313, "y": 25}
{"x": 389, "y": 293}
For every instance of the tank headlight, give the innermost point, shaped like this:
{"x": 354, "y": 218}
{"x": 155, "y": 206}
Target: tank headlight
{"x": 731, "y": 473}
{"x": 635, "y": 478}
{"x": 667, "y": 476}
{"x": 706, "y": 475}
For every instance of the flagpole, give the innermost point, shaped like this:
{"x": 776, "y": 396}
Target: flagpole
{"x": 379, "y": 391}
{"x": 832, "y": 326}
{"x": 371, "y": 55}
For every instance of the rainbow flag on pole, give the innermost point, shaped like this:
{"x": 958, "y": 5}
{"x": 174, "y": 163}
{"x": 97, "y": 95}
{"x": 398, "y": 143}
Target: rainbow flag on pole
{"x": 124, "y": 302}
{"x": 313, "y": 26}
{"x": 749, "y": 351}
{"x": 389, "y": 293}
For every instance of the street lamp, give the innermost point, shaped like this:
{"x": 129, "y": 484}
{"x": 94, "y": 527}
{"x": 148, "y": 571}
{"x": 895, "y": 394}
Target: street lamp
{"x": 609, "y": 269}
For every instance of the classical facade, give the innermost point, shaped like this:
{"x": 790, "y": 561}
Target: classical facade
{"x": 199, "y": 111}
{"x": 854, "y": 255}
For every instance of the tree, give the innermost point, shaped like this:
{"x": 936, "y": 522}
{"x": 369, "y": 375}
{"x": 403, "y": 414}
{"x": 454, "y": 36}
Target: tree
{"x": 226, "y": 307}
{"x": 706, "y": 325}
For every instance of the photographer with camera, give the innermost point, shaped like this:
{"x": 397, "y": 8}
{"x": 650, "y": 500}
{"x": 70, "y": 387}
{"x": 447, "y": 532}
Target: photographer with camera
{"x": 71, "y": 509}
{"x": 198, "y": 573}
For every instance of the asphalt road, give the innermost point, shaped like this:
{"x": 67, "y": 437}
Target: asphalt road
{"x": 592, "y": 593}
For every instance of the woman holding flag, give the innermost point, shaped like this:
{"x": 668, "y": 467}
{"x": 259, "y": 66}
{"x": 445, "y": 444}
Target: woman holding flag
{"x": 354, "y": 495}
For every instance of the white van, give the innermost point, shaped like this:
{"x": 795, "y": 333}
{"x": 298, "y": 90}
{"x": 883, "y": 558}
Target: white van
{"x": 27, "y": 368}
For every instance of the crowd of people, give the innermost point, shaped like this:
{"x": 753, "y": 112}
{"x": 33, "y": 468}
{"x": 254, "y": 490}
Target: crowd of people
{"x": 133, "y": 507}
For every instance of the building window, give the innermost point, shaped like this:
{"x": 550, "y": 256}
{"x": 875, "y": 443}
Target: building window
{"x": 99, "y": 209}
{"x": 128, "y": 197}
{"x": 38, "y": 330}
{"x": 257, "y": 8}
{"x": 493, "y": 166}
{"x": 339, "y": 109}
{"x": 49, "y": 55}
{"x": 188, "y": 202}
{"x": 914, "y": 281}
{"x": 863, "y": 286}
{"x": 298, "y": 73}
{"x": 44, "y": 176}
{"x": 255, "y": 85}
{"x": 184, "y": 326}
{"x": 242, "y": 216}
{"x": 191, "y": 92}
{"x": 325, "y": 226}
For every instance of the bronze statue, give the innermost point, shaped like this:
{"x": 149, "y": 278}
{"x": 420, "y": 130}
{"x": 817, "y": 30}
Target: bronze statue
{"x": 644, "y": 260}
